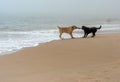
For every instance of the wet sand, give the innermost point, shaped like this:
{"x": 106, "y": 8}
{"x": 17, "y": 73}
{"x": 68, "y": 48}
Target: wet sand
{"x": 72, "y": 60}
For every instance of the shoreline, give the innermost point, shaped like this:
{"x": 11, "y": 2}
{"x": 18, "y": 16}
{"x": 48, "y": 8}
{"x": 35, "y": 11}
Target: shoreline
{"x": 39, "y": 44}
{"x": 13, "y": 45}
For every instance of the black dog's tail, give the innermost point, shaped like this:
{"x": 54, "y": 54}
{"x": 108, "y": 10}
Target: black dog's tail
{"x": 99, "y": 27}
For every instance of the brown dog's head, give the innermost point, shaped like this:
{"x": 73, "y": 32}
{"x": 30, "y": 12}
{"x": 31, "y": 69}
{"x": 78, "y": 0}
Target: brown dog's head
{"x": 74, "y": 27}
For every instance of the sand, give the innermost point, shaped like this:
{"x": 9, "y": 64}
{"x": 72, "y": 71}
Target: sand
{"x": 71, "y": 60}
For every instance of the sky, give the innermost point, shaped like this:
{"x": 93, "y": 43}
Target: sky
{"x": 81, "y": 8}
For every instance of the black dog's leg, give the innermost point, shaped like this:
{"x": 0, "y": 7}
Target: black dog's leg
{"x": 93, "y": 34}
{"x": 85, "y": 35}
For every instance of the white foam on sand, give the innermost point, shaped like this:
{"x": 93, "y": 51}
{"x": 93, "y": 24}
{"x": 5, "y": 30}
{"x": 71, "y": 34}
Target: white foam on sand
{"x": 15, "y": 40}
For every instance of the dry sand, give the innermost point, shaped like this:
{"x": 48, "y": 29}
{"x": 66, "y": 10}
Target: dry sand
{"x": 73, "y": 60}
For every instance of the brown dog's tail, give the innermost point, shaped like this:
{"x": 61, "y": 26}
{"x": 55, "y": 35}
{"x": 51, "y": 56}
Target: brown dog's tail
{"x": 58, "y": 27}
{"x": 99, "y": 27}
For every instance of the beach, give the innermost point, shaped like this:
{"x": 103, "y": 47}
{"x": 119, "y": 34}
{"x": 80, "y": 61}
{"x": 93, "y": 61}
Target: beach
{"x": 17, "y": 33}
{"x": 70, "y": 60}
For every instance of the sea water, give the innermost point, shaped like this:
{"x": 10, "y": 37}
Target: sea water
{"x": 20, "y": 32}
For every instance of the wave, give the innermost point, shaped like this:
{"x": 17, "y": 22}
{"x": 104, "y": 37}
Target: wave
{"x": 11, "y": 41}
{"x": 15, "y": 40}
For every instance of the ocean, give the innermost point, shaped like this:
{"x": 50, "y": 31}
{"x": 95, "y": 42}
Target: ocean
{"x": 21, "y": 32}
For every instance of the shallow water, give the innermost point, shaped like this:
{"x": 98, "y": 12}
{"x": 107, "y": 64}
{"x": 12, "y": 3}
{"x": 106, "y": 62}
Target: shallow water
{"x": 17, "y": 33}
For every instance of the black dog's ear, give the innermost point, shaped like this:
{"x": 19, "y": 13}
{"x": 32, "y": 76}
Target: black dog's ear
{"x": 83, "y": 26}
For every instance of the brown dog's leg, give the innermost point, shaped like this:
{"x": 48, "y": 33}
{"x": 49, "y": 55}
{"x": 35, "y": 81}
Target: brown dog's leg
{"x": 60, "y": 35}
{"x": 71, "y": 35}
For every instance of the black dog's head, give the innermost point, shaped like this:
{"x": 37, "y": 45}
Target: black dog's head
{"x": 83, "y": 27}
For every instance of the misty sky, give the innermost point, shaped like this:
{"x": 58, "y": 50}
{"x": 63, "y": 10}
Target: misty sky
{"x": 89, "y": 8}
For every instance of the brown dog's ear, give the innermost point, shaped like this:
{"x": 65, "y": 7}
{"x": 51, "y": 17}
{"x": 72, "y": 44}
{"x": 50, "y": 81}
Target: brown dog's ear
{"x": 58, "y": 26}
{"x": 73, "y": 26}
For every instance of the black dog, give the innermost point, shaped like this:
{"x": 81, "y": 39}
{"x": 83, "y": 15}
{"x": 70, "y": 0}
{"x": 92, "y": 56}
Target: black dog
{"x": 88, "y": 30}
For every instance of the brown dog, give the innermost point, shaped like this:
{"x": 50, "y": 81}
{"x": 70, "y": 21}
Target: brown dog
{"x": 68, "y": 30}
